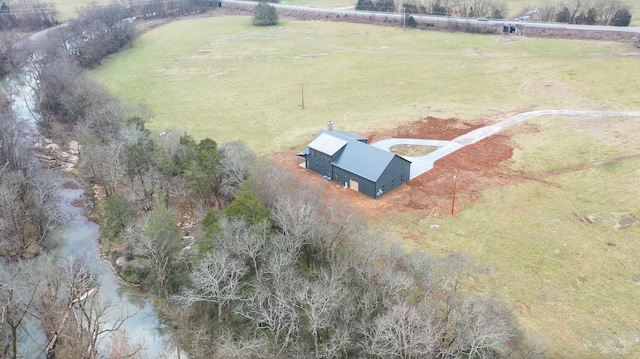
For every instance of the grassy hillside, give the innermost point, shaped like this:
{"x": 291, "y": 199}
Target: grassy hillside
{"x": 552, "y": 243}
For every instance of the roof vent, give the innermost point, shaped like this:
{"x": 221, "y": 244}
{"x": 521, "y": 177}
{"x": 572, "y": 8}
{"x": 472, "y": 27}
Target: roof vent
{"x": 329, "y": 126}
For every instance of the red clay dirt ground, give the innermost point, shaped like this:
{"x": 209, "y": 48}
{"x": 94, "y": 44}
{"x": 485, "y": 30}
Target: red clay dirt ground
{"x": 479, "y": 166}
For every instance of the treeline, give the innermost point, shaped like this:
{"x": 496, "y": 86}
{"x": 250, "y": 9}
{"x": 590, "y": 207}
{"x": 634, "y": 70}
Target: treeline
{"x": 461, "y": 8}
{"x": 30, "y": 15}
{"x": 586, "y": 12}
{"x": 28, "y": 197}
{"x": 27, "y": 15}
{"x": 168, "y": 8}
{"x": 304, "y": 277}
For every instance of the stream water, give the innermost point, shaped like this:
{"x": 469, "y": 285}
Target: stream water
{"x": 78, "y": 239}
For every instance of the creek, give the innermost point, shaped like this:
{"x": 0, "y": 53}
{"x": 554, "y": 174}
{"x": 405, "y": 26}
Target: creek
{"x": 78, "y": 239}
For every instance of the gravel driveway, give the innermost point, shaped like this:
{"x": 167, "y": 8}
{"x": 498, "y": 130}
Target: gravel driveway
{"x": 422, "y": 164}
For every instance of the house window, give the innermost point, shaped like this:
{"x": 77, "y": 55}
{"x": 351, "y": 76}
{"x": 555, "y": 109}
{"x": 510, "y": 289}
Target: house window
{"x": 317, "y": 167}
{"x": 383, "y": 188}
{"x": 393, "y": 183}
{"x": 401, "y": 178}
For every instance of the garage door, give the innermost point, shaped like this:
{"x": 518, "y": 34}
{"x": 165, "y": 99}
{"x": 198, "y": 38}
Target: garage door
{"x": 353, "y": 185}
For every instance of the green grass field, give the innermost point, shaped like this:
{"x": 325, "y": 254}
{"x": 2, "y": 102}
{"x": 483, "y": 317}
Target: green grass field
{"x": 222, "y": 78}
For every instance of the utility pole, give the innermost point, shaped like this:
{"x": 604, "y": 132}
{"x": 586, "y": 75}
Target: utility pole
{"x": 302, "y": 88}
{"x": 453, "y": 198}
{"x": 404, "y": 18}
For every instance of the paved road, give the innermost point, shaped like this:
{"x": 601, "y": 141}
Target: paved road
{"x": 420, "y": 165}
{"x": 399, "y": 17}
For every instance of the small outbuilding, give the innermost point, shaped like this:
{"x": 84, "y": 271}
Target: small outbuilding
{"x": 347, "y": 158}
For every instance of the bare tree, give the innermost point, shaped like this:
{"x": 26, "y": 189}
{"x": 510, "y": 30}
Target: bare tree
{"x": 19, "y": 298}
{"x": 236, "y": 161}
{"x": 272, "y": 301}
{"x": 102, "y": 164}
{"x": 547, "y": 10}
{"x": 228, "y": 347}
{"x": 319, "y": 301}
{"x": 404, "y": 331}
{"x": 29, "y": 209}
{"x": 76, "y": 317}
{"x": 274, "y": 309}
{"x": 16, "y": 139}
{"x": 67, "y": 93}
{"x": 216, "y": 278}
{"x": 155, "y": 237}
{"x": 122, "y": 348}
{"x": 296, "y": 213}
{"x": 483, "y": 328}
{"x": 244, "y": 240}
{"x": 11, "y": 56}
{"x": 33, "y": 14}
{"x": 99, "y": 31}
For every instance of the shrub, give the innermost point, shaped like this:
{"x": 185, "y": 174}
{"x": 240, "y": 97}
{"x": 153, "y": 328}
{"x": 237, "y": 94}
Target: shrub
{"x": 265, "y": 15}
{"x": 117, "y": 213}
{"x": 411, "y": 21}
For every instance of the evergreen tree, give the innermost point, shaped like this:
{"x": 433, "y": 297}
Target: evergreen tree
{"x": 265, "y": 15}
{"x": 622, "y": 17}
{"x": 563, "y": 15}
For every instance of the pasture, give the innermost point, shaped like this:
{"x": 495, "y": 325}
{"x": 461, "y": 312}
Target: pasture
{"x": 558, "y": 241}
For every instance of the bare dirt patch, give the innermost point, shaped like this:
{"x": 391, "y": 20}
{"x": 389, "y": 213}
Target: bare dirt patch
{"x": 478, "y": 166}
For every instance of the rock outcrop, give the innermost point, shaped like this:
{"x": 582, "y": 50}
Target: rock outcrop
{"x": 52, "y": 155}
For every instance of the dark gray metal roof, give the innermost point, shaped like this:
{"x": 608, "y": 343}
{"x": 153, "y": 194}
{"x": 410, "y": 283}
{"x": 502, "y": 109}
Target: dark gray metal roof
{"x": 351, "y": 154}
{"x": 364, "y": 160}
{"x": 345, "y": 135}
{"x": 304, "y": 152}
{"x": 327, "y": 143}
{"x": 351, "y": 136}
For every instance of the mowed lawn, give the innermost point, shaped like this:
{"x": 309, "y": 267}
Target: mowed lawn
{"x": 553, "y": 248}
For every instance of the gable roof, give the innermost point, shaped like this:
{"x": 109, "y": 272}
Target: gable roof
{"x": 345, "y": 135}
{"x": 349, "y": 135}
{"x": 351, "y": 153}
{"x": 328, "y": 144}
{"x": 364, "y": 160}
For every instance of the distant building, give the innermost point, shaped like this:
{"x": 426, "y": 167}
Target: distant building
{"x": 347, "y": 158}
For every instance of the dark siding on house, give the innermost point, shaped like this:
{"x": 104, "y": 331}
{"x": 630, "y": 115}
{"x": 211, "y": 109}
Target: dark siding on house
{"x": 396, "y": 174}
{"x": 345, "y": 177}
{"x": 347, "y": 159}
{"x": 319, "y": 162}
